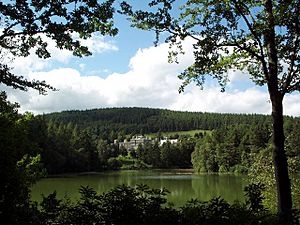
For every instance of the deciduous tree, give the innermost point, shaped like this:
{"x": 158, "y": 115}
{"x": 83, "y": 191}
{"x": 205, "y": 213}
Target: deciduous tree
{"x": 25, "y": 24}
{"x": 258, "y": 37}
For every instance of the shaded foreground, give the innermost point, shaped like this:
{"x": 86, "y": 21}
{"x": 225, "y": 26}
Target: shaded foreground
{"x": 126, "y": 205}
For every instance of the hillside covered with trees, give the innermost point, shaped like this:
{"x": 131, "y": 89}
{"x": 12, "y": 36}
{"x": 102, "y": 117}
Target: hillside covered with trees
{"x": 148, "y": 120}
{"x": 77, "y": 141}
{"x": 83, "y": 141}
{"x": 239, "y": 144}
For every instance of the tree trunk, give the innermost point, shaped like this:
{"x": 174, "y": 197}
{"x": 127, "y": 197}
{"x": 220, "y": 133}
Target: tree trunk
{"x": 284, "y": 198}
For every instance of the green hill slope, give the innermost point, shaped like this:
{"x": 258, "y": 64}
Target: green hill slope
{"x": 148, "y": 120}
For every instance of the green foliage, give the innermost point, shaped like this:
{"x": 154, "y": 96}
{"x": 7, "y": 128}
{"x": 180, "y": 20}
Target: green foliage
{"x": 168, "y": 155}
{"x": 122, "y": 205}
{"x": 80, "y": 141}
{"x": 145, "y": 206}
{"x": 262, "y": 171}
{"x": 149, "y": 154}
{"x": 111, "y": 123}
{"x": 245, "y": 149}
{"x": 223, "y": 169}
{"x": 130, "y": 163}
{"x": 240, "y": 169}
{"x": 293, "y": 139}
{"x": 27, "y": 24}
{"x": 18, "y": 168}
{"x": 50, "y": 208}
{"x": 114, "y": 163}
{"x": 230, "y": 149}
{"x": 32, "y": 168}
{"x": 7, "y": 108}
{"x": 254, "y": 197}
{"x": 260, "y": 38}
{"x": 228, "y": 35}
{"x": 176, "y": 134}
{"x": 216, "y": 211}
{"x": 65, "y": 148}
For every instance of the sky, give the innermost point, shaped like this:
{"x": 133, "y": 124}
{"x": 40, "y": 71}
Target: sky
{"x": 129, "y": 71}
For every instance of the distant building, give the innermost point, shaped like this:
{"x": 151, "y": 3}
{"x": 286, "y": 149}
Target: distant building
{"x": 165, "y": 140}
{"x": 134, "y": 142}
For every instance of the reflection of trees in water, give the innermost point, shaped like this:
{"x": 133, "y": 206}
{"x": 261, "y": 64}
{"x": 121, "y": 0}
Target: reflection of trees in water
{"x": 179, "y": 186}
{"x": 182, "y": 187}
{"x": 180, "y": 190}
{"x": 229, "y": 187}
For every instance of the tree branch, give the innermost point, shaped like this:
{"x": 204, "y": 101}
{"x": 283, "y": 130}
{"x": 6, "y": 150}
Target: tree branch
{"x": 291, "y": 73}
{"x": 296, "y": 85}
{"x": 7, "y": 29}
{"x": 260, "y": 45}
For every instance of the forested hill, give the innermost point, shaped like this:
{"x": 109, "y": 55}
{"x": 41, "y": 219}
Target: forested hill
{"x": 148, "y": 120}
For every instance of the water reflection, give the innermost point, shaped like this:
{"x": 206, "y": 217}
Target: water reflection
{"x": 182, "y": 186}
{"x": 229, "y": 187}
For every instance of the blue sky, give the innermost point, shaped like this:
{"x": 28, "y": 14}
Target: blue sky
{"x": 126, "y": 71}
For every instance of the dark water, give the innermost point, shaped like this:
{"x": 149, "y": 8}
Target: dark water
{"x": 183, "y": 185}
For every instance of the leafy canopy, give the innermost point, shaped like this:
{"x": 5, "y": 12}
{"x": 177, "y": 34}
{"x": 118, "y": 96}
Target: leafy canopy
{"x": 229, "y": 34}
{"x": 25, "y": 24}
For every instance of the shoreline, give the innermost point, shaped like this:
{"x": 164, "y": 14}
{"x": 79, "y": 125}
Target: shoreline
{"x": 176, "y": 171}
{"x": 75, "y": 174}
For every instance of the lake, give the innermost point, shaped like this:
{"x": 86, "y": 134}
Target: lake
{"x": 182, "y": 184}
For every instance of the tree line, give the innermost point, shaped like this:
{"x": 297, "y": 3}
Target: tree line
{"x": 68, "y": 146}
{"x": 247, "y": 149}
{"x": 65, "y": 146}
{"x": 148, "y": 120}
{"x": 234, "y": 148}
{"x": 30, "y": 143}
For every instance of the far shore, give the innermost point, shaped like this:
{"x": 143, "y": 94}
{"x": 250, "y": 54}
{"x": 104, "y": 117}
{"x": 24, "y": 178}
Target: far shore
{"x": 176, "y": 170}
{"x": 184, "y": 171}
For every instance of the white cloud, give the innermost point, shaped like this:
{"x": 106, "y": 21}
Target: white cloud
{"x": 212, "y": 100}
{"x": 291, "y": 104}
{"x": 24, "y": 65}
{"x": 237, "y": 75}
{"x": 150, "y": 82}
{"x": 98, "y": 44}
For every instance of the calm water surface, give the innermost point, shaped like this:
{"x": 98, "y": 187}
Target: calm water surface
{"x": 183, "y": 185}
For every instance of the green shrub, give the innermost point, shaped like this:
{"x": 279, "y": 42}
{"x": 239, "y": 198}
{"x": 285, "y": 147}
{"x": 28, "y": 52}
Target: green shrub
{"x": 114, "y": 163}
{"x": 239, "y": 169}
{"x": 142, "y": 205}
{"x": 223, "y": 169}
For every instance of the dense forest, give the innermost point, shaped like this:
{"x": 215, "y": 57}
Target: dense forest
{"x": 61, "y": 146}
{"x": 236, "y": 143}
{"x": 77, "y": 141}
{"x": 148, "y": 120}
{"x": 234, "y": 148}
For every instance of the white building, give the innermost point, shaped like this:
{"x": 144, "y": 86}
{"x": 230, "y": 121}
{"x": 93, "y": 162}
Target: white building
{"x": 134, "y": 142}
{"x": 165, "y": 140}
